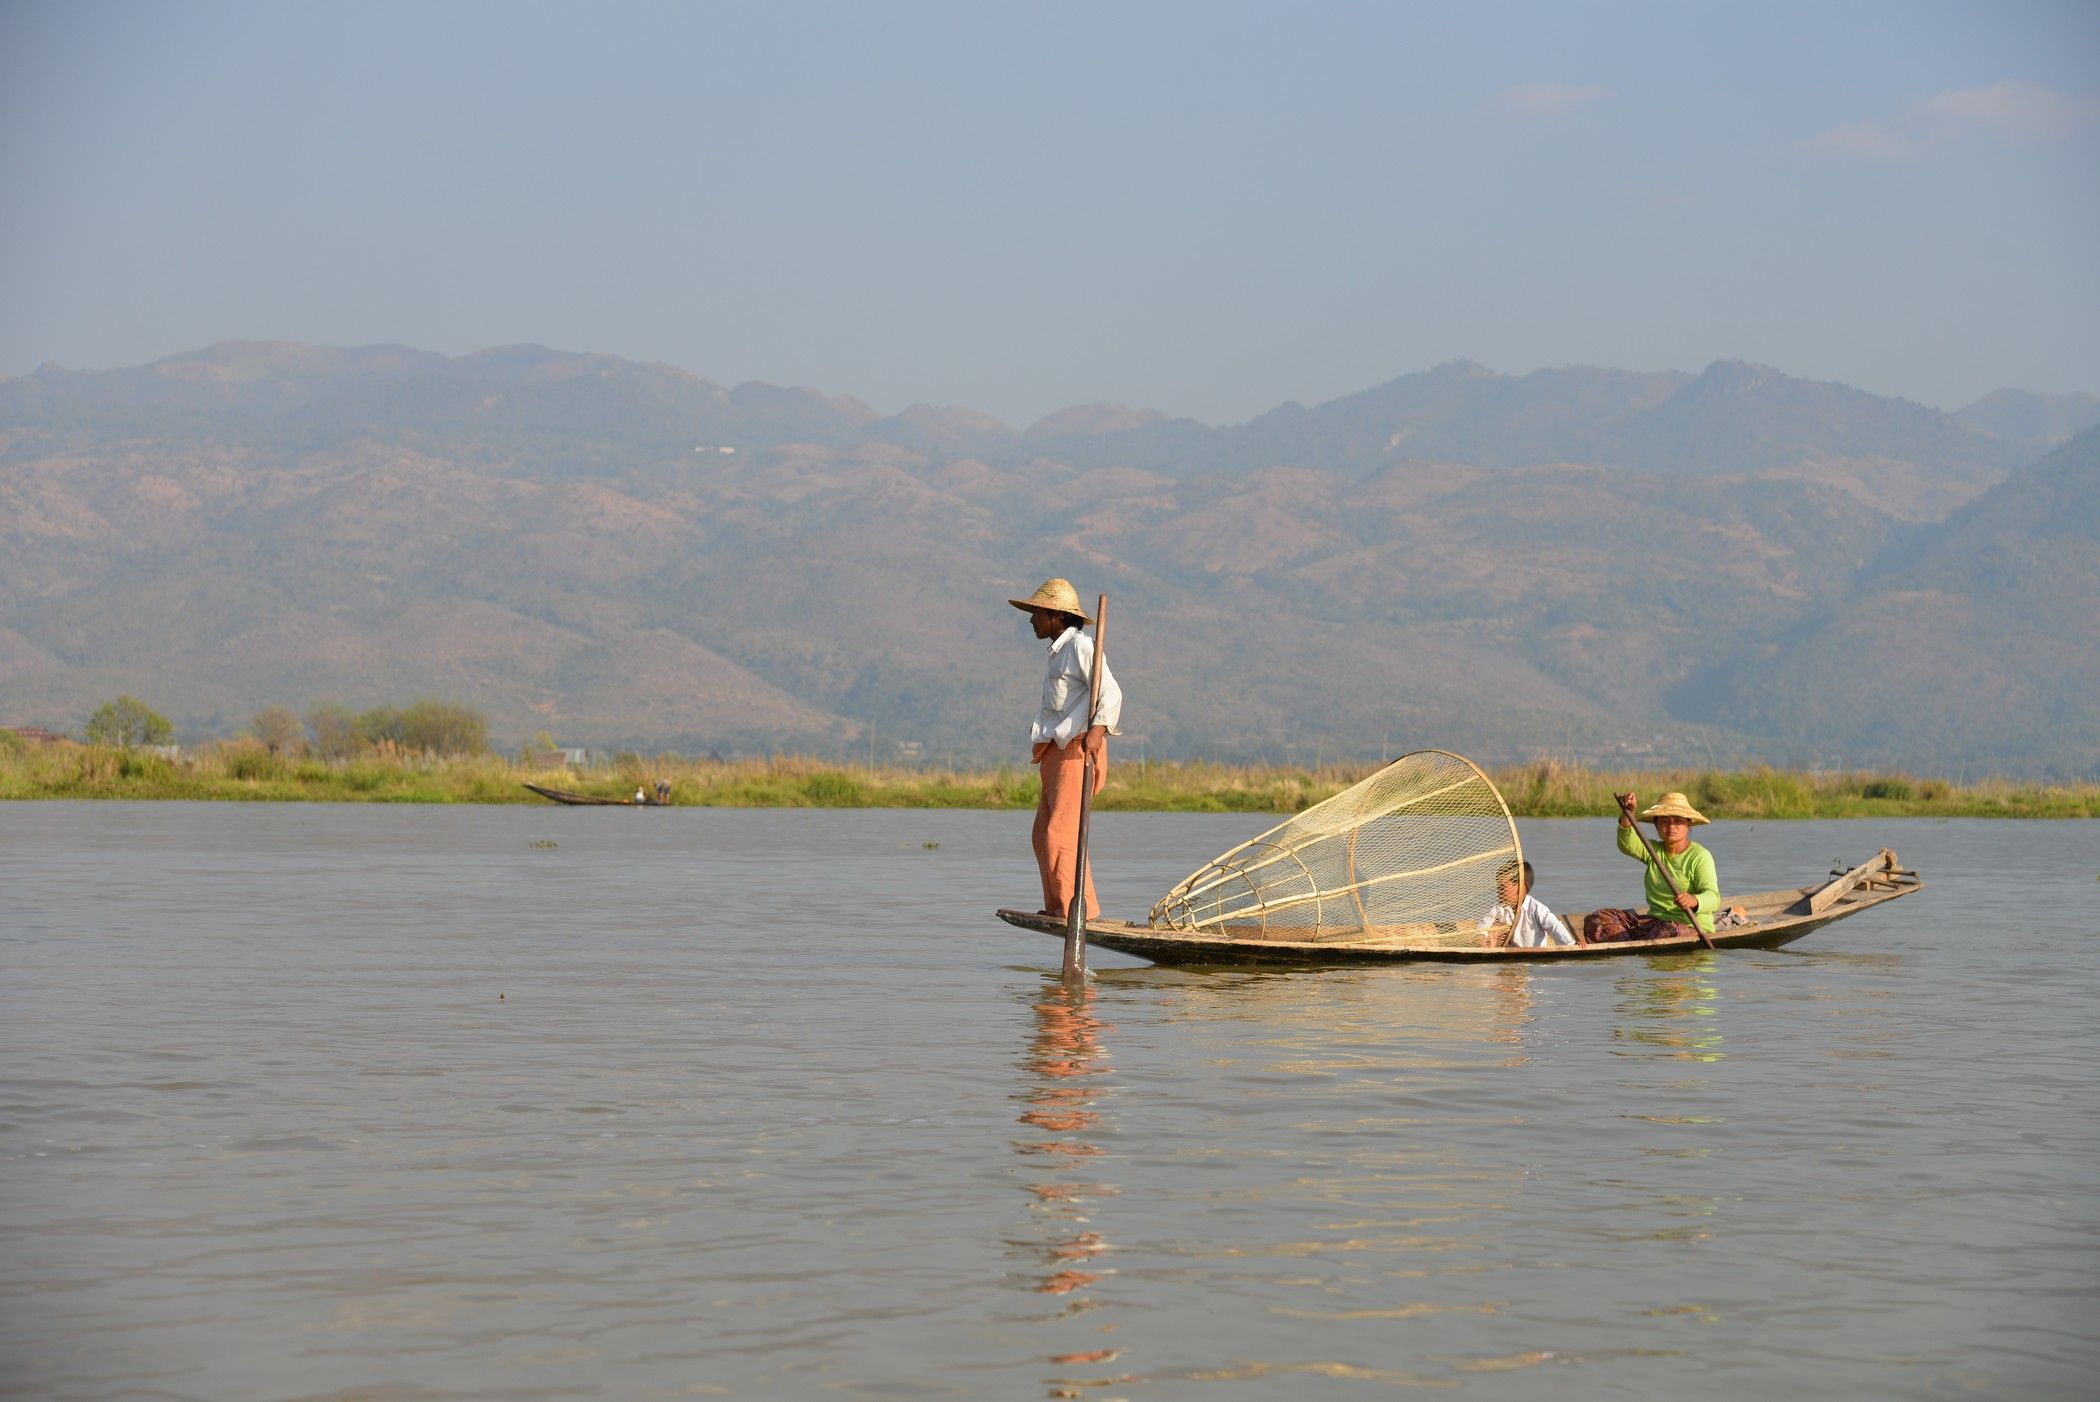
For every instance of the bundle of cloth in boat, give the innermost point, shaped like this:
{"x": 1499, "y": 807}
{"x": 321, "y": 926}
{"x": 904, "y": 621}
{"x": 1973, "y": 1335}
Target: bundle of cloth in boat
{"x": 1692, "y": 865}
{"x": 1064, "y": 736}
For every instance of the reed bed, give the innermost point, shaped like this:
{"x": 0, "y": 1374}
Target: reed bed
{"x": 245, "y": 771}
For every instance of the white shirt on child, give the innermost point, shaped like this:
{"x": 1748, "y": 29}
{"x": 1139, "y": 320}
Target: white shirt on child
{"x": 1539, "y": 926}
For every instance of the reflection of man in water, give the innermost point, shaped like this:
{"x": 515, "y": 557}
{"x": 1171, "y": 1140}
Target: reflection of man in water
{"x": 1065, "y": 736}
{"x": 1065, "y": 1042}
{"x": 1066, "y": 1048}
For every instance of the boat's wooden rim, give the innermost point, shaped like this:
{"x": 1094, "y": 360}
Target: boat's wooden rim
{"x": 1776, "y": 918}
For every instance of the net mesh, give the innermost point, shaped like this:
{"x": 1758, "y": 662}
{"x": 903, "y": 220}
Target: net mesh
{"x": 1412, "y": 853}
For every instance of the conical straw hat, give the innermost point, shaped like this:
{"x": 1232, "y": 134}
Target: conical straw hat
{"x": 1674, "y": 805}
{"x": 1055, "y": 594}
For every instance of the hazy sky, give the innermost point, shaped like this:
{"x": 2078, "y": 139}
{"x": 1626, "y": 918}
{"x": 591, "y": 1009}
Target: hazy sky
{"x": 1204, "y": 208}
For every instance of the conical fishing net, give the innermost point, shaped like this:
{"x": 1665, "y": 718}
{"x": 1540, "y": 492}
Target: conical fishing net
{"x": 1410, "y": 853}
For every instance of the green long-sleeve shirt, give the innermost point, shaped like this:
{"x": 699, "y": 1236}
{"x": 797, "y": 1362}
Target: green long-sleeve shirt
{"x": 1694, "y": 869}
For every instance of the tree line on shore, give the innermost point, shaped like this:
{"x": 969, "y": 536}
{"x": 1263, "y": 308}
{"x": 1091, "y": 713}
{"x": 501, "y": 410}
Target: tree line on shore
{"x": 382, "y": 771}
{"x": 329, "y": 730}
{"x": 436, "y": 751}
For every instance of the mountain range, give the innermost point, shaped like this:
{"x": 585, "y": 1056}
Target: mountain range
{"x": 1596, "y": 564}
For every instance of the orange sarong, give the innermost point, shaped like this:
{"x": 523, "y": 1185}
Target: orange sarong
{"x": 1056, "y": 834}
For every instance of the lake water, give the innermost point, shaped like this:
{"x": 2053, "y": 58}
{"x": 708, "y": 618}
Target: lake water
{"x": 340, "y": 1101}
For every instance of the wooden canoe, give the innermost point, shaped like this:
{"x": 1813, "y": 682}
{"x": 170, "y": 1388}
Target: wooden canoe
{"x": 586, "y": 801}
{"x": 1775, "y": 918}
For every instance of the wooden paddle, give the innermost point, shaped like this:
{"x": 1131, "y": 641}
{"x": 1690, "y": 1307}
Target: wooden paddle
{"x": 1626, "y": 807}
{"x": 1075, "y": 913}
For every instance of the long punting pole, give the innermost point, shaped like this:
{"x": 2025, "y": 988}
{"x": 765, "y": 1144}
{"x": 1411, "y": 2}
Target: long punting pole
{"x": 1626, "y": 807}
{"x": 1075, "y": 912}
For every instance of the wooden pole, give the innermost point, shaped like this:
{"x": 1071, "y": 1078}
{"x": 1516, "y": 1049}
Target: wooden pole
{"x": 1075, "y": 912}
{"x": 1626, "y": 807}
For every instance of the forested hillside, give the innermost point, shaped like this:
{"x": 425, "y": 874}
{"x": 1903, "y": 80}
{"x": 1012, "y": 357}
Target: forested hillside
{"x": 1591, "y": 563}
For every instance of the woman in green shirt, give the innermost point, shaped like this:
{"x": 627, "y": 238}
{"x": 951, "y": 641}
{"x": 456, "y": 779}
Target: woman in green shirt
{"x": 1691, "y": 864}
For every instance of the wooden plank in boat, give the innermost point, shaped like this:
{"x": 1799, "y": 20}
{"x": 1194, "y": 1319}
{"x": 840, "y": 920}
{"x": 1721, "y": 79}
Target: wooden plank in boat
{"x": 1822, "y": 900}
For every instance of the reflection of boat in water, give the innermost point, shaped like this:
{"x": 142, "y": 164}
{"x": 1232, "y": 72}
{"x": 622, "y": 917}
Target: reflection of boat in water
{"x": 1774, "y": 918}
{"x": 1353, "y": 1020}
{"x": 1401, "y": 867}
{"x": 580, "y": 800}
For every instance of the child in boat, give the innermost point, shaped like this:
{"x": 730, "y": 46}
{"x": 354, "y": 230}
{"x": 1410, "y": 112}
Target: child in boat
{"x": 1521, "y": 919}
{"x": 1693, "y": 866}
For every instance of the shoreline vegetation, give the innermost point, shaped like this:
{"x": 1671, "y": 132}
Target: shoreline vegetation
{"x": 249, "y": 772}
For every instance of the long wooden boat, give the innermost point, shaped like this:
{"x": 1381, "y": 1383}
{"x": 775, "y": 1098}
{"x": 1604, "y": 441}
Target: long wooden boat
{"x": 587, "y": 801}
{"x": 1774, "y": 918}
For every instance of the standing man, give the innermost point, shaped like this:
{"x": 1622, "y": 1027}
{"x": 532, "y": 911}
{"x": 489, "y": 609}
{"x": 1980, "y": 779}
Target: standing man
{"x": 1061, "y": 721}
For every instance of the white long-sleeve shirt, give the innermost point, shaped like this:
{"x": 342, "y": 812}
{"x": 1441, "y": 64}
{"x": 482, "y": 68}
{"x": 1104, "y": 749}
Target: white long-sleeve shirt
{"x": 1539, "y": 926}
{"x": 1065, "y": 692}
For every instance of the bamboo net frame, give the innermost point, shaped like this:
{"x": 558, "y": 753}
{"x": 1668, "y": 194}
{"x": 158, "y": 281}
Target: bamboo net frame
{"x": 1412, "y": 852}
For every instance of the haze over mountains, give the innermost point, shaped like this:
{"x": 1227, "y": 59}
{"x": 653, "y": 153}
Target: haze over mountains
{"x": 1588, "y": 563}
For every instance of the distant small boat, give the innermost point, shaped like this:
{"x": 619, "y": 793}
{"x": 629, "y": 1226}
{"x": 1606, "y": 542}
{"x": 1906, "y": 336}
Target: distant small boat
{"x": 581, "y": 800}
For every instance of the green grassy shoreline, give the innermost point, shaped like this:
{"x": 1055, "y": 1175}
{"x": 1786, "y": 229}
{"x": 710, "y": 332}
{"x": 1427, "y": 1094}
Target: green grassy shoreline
{"x": 246, "y": 773}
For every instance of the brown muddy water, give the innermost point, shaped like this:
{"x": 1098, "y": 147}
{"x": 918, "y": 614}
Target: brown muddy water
{"x": 314, "y": 1101}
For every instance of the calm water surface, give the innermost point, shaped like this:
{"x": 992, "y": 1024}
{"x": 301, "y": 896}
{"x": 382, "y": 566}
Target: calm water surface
{"x": 341, "y": 1101}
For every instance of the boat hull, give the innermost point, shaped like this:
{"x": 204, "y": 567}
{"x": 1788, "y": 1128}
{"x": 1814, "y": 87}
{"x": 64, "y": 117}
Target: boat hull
{"x": 577, "y": 800}
{"x": 1777, "y": 918}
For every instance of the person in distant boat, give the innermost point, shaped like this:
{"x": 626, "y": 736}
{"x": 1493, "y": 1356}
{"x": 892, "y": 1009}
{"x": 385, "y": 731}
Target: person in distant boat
{"x": 1693, "y": 866}
{"x": 1521, "y": 919}
{"x": 1062, "y": 738}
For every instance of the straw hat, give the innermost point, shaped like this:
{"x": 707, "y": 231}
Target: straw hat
{"x": 1057, "y": 594}
{"x": 1674, "y": 805}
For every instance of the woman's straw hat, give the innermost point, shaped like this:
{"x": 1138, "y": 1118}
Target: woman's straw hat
{"x": 1674, "y": 805}
{"x": 1057, "y": 594}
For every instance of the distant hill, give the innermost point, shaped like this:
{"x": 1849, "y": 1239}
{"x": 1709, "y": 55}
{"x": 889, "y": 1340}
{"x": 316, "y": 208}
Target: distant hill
{"x": 2032, "y": 423}
{"x": 1733, "y": 418}
{"x": 1978, "y": 638}
{"x": 549, "y": 409}
{"x": 1591, "y": 563}
{"x": 252, "y": 377}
